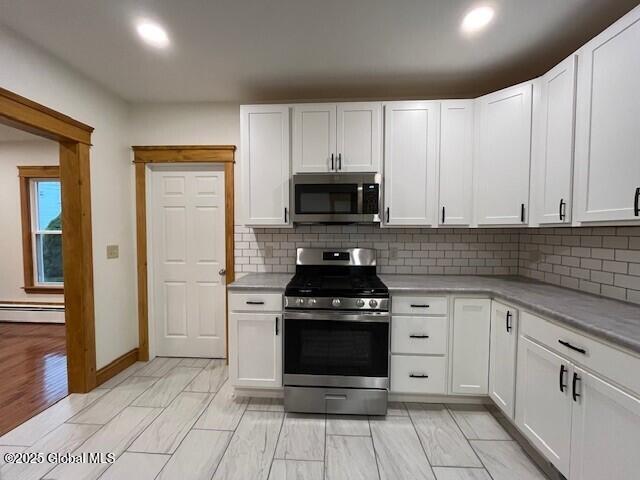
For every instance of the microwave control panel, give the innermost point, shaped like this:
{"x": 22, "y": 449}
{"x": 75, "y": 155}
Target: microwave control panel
{"x": 370, "y": 198}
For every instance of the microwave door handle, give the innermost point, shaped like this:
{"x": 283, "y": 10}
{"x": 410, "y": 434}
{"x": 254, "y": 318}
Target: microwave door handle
{"x": 360, "y": 199}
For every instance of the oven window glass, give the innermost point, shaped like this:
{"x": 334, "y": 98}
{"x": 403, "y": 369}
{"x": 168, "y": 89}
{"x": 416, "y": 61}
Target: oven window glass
{"x": 326, "y": 199}
{"x": 319, "y": 347}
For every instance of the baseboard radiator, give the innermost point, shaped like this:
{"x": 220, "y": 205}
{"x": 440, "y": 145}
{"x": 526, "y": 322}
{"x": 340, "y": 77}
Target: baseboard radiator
{"x": 32, "y": 312}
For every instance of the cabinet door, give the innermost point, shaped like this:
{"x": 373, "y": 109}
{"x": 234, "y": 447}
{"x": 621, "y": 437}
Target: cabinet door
{"x": 314, "y": 138}
{"x": 503, "y": 156}
{"x": 543, "y": 406}
{"x": 411, "y": 149}
{"x": 359, "y": 137}
{"x": 502, "y": 356}
{"x": 607, "y": 132}
{"x": 255, "y": 347}
{"x": 264, "y": 131}
{"x": 554, "y": 140}
{"x": 605, "y": 436}
{"x": 470, "y": 346}
{"x": 456, "y": 162}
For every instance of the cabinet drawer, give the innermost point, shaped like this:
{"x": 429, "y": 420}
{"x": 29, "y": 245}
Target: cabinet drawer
{"x": 608, "y": 361}
{"x": 419, "y": 335}
{"x": 415, "y": 374}
{"x": 419, "y": 305}
{"x": 255, "y": 302}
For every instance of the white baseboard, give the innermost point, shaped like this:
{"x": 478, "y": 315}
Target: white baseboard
{"x": 29, "y": 315}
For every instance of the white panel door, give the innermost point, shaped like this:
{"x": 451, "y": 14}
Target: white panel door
{"x": 188, "y": 250}
{"x": 264, "y": 140}
{"x": 502, "y": 356}
{"x": 503, "y": 156}
{"x": 359, "y": 136}
{"x": 554, "y": 156}
{"x": 605, "y": 437}
{"x": 456, "y": 162}
{"x": 314, "y": 138}
{"x": 543, "y": 406}
{"x": 410, "y": 161}
{"x": 255, "y": 342}
{"x": 608, "y": 125}
{"x": 470, "y": 346}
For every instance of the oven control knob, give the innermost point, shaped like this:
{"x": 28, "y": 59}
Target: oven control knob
{"x": 360, "y": 302}
{"x": 336, "y": 302}
{"x": 312, "y": 301}
{"x": 301, "y": 301}
{"x": 373, "y": 303}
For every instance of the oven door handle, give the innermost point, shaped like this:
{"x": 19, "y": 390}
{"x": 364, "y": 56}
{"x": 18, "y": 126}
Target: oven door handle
{"x": 378, "y": 317}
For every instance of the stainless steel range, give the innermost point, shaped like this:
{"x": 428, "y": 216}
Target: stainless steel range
{"x": 336, "y": 334}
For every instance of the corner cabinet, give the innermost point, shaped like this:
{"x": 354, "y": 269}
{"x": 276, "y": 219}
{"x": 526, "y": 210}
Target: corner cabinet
{"x": 264, "y": 144}
{"x": 608, "y": 129}
{"x": 553, "y": 143}
{"x": 503, "y": 156}
{"x": 502, "y": 357}
{"x": 342, "y": 137}
{"x": 456, "y": 162}
{"x": 410, "y": 163}
{"x": 255, "y": 340}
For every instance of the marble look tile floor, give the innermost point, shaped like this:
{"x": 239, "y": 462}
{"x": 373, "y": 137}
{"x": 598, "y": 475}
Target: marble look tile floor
{"x": 178, "y": 418}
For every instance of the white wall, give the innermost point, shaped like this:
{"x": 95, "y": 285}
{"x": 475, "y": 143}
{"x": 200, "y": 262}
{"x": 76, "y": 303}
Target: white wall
{"x": 38, "y": 76}
{"x": 12, "y": 155}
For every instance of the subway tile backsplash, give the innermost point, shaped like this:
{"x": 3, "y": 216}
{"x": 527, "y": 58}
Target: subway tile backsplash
{"x": 601, "y": 260}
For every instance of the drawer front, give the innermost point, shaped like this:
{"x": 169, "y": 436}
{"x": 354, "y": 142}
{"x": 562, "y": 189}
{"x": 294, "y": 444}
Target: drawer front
{"x": 621, "y": 367}
{"x": 419, "y": 335}
{"x": 255, "y": 302}
{"x": 415, "y": 374}
{"x": 419, "y": 305}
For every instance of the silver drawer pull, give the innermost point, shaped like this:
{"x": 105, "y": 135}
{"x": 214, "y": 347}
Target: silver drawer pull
{"x": 418, "y": 375}
{"x": 418, "y": 336}
{"x": 335, "y": 397}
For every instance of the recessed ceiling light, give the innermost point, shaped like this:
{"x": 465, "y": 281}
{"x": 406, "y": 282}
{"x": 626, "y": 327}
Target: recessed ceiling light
{"x": 153, "y": 34}
{"x": 477, "y": 19}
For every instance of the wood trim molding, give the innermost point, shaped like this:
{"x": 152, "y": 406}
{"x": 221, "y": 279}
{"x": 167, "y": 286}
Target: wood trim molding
{"x": 118, "y": 365}
{"x": 19, "y": 302}
{"x": 25, "y": 114}
{"x": 184, "y": 153}
{"x": 74, "y": 138}
{"x": 25, "y": 175}
{"x": 144, "y": 155}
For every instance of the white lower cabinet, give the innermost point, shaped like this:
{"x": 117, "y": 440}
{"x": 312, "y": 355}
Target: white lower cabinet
{"x": 470, "y": 329}
{"x": 605, "y": 431}
{"x": 586, "y": 426}
{"x": 255, "y": 343}
{"x": 543, "y": 405}
{"x": 502, "y": 357}
{"x": 418, "y": 374}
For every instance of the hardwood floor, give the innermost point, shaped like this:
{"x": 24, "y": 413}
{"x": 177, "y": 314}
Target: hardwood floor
{"x": 33, "y": 370}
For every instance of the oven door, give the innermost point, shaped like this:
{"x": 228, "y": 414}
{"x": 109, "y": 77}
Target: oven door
{"x": 334, "y": 349}
{"x": 332, "y": 198}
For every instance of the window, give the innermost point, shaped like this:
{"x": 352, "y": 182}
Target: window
{"x": 41, "y": 229}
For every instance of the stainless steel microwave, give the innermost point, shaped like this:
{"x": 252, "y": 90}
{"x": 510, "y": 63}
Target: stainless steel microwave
{"x": 336, "y": 198}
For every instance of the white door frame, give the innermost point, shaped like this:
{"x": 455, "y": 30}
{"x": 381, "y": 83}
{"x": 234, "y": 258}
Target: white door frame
{"x": 150, "y": 168}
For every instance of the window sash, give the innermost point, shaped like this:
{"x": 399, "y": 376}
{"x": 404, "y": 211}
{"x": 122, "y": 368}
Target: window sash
{"x": 38, "y": 260}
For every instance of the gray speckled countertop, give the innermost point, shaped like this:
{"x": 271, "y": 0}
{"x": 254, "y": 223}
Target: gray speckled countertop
{"x": 610, "y": 320}
{"x": 262, "y": 281}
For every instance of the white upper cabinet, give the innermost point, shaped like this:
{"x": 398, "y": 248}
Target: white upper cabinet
{"x": 608, "y": 124}
{"x": 314, "y": 138}
{"x": 553, "y": 152}
{"x": 410, "y": 160}
{"x": 456, "y": 162}
{"x": 359, "y": 137}
{"x": 343, "y": 137}
{"x": 503, "y": 156}
{"x": 264, "y": 132}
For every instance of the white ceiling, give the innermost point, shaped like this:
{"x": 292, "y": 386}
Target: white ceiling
{"x": 260, "y": 50}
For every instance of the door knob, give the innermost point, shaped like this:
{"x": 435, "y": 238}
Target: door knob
{"x": 222, "y": 271}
